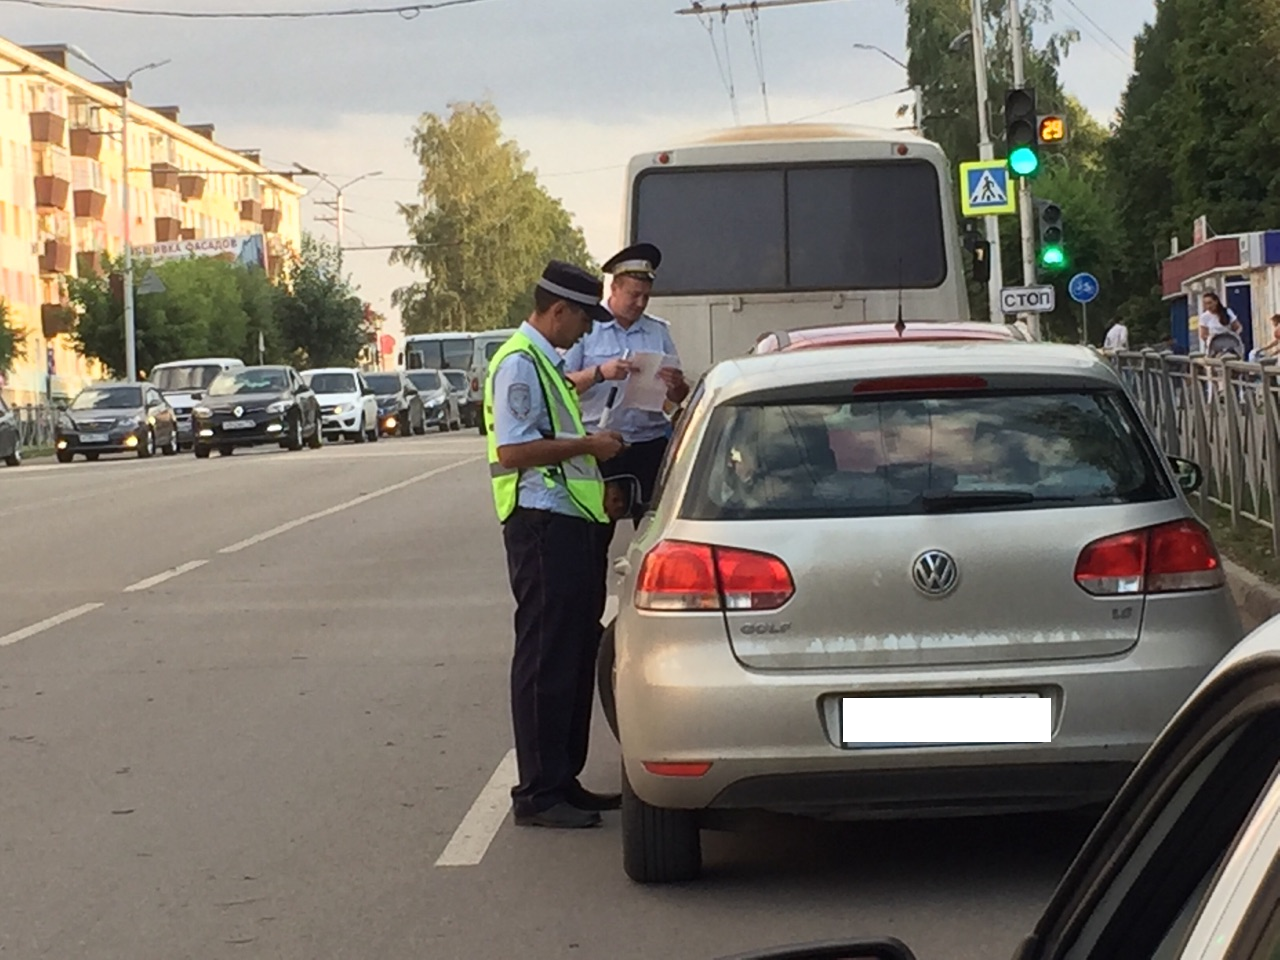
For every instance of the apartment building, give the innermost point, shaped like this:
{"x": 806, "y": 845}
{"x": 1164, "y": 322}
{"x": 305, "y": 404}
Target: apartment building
{"x": 62, "y": 193}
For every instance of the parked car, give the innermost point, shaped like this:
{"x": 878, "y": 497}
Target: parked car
{"x": 255, "y": 406}
{"x": 348, "y": 407}
{"x": 400, "y": 409}
{"x": 1183, "y": 863}
{"x": 922, "y": 579}
{"x": 458, "y": 389}
{"x": 483, "y": 347}
{"x": 10, "y": 436}
{"x": 914, "y": 331}
{"x": 116, "y": 418}
{"x": 183, "y": 383}
{"x": 439, "y": 401}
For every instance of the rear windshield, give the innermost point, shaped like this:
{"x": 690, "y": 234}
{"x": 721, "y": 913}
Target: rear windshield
{"x": 904, "y": 455}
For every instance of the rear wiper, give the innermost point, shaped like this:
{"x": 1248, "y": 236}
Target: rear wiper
{"x": 947, "y": 501}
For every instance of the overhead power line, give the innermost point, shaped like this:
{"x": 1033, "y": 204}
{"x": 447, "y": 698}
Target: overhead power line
{"x": 1125, "y": 54}
{"x": 408, "y": 11}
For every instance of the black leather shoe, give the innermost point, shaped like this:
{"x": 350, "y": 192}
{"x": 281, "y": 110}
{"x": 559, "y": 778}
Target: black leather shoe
{"x": 584, "y": 799}
{"x": 560, "y": 817}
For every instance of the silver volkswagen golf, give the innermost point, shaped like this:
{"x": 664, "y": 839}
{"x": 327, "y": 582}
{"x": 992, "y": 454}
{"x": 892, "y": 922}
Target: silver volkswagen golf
{"x": 918, "y": 579}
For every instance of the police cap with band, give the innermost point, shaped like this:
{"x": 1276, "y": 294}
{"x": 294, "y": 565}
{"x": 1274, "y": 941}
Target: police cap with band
{"x": 577, "y": 286}
{"x": 638, "y": 260}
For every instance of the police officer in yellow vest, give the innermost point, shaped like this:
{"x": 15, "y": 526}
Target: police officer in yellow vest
{"x": 550, "y": 499}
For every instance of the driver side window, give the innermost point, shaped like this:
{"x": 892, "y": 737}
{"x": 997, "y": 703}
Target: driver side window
{"x": 678, "y": 437}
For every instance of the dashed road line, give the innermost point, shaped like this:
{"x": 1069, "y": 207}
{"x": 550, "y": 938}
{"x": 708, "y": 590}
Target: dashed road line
{"x": 354, "y": 502}
{"x": 47, "y": 624}
{"x": 160, "y": 578}
{"x": 470, "y": 842}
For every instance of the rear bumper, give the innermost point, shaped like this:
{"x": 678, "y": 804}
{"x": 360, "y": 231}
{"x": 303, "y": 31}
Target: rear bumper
{"x": 774, "y": 741}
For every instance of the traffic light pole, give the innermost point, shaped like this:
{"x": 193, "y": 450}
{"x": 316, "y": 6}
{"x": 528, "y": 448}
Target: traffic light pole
{"x": 986, "y": 150}
{"x": 1025, "y": 203}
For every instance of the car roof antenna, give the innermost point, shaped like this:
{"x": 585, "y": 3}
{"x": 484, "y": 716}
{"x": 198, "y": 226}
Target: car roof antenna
{"x": 901, "y": 325}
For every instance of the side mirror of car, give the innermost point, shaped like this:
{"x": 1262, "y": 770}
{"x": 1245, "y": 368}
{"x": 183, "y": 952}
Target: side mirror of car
{"x": 622, "y": 496}
{"x": 1190, "y": 476}
{"x": 878, "y": 949}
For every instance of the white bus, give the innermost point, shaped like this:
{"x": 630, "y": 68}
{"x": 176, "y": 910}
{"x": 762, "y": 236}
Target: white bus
{"x": 437, "y": 351}
{"x": 786, "y": 226}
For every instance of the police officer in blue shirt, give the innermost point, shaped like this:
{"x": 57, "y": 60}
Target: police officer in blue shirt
{"x": 601, "y": 355}
{"x": 550, "y": 499}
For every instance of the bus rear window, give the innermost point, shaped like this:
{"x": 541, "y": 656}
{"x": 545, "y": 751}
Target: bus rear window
{"x": 863, "y": 226}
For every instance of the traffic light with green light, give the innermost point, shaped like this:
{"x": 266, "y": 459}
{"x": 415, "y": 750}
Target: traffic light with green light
{"x": 1022, "y": 131}
{"x": 1053, "y": 252}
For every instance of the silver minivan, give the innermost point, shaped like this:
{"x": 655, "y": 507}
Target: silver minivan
{"x": 917, "y": 579}
{"x": 183, "y": 384}
{"x": 483, "y": 347}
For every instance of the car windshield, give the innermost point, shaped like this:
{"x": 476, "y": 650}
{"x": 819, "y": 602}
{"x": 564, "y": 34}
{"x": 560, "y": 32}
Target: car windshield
{"x": 892, "y": 456}
{"x": 248, "y": 381}
{"x": 457, "y": 379}
{"x": 197, "y": 376}
{"x": 425, "y": 380}
{"x": 333, "y": 383}
{"x": 383, "y": 383}
{"x": 108, "y": 398}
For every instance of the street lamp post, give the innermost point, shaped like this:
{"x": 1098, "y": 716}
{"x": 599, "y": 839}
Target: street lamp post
{"x": 339, "y": 205}
{"x": 130, "y": 333}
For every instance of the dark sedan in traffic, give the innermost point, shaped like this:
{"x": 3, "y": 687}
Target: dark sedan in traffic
{"x": 400, "y": 408}
{"x": 257, "y": 406}
{"x": 116, "y": 418}
{"x": 10, "y": 438}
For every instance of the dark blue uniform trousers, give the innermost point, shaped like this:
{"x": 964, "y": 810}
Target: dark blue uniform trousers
{"x": 559, "y": 591}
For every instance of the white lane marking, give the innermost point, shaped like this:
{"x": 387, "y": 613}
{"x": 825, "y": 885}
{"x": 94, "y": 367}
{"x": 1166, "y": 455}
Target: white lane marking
{"x": 475, "y": 833}
{"x": 48, "y": 624}
{"x": 160, "y": 578}
{"x": 354, "y": 502}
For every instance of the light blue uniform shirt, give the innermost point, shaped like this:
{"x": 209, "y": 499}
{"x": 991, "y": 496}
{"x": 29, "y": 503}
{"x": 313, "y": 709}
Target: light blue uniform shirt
{"x": 520, "y": 415}
{"x": 605, "y": 342}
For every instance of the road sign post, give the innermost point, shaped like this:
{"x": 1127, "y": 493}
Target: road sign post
{"x": 1042, "y": 299}
{"x": 1083, "y": 289}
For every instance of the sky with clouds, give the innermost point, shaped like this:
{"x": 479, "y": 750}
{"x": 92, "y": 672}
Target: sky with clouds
{"x": 581, "y": 84}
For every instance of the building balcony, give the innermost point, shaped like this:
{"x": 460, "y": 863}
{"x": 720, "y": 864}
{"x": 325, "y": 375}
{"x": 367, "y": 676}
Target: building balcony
{"x": 191, "y": 233}
{"x": 48, "y": 127}
{"x": 168, "y": 229}
{"x": 55, "y": 256}
{"x": 52, "y": 192}
{"x": 191, "y": 186}
{"x": 251, "y": 211}
{"x": 91, "y": 263}
{"x": 90, "y": 204}
{"x": 164, "y": 176}
{"x": 56, "y": 318}
{"x": 271, "y": 217}
{"x": 86, "y": 143}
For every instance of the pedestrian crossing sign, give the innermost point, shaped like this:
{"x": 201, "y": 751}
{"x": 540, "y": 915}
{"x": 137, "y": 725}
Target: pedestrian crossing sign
{"x": 986, "y": 189}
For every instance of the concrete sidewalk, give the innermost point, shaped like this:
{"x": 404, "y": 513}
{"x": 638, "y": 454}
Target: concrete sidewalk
{"x": 1258, "y": 600}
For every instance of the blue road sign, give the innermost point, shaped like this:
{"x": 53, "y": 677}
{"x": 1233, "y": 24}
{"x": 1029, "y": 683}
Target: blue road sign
{"x": 1083, "y": 288}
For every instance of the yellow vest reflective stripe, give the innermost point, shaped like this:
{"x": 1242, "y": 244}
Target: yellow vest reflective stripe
{"x": 580, "y": 476}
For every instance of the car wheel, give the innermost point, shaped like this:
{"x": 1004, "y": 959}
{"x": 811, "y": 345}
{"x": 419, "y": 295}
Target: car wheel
{"x": 147, "y": 449}
{"x": 406, "y": 427}
{"x": 456, "y": 425}
{"x": 295, "y": 433}
{"x": 171, "y": 448}
{"x": 91, "y": 457}
{"x": 604, "y": 677}
{"x": 421, "y": 429}
{"x": 480, "y": 427}
{"x": 658, "y": 845}
{"x": 374, "y": 432}
{"x": 226, "y": 450}
{"x": 316, "y": 440}
{"x": 202, "y": 450}
{"x": 362, "y": 434}
{"x": 14, "y": 459}
{"x": 65, "y": 456}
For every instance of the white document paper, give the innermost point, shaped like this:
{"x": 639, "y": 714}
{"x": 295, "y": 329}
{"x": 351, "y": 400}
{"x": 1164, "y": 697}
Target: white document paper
{"x": 644, "y": 389}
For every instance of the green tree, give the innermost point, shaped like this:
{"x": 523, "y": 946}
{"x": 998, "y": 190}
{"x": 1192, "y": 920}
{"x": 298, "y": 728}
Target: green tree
{"x": 208, "y": 307}
{"x": 320, "y": 317}
{"x": 482, "y": 227}
{"x": 13, "y": 341}
{"x": 1196, "y": 136}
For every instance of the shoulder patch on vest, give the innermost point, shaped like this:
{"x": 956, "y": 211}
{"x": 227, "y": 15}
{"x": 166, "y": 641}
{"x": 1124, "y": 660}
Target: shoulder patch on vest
{"x": 519, "y": 400}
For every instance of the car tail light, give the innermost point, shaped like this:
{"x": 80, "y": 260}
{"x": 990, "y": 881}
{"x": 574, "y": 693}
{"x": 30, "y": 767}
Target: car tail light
{"x": 1168, "y": 558}
{"x": 677, "y": 575}
{"x": 475, "y": 383}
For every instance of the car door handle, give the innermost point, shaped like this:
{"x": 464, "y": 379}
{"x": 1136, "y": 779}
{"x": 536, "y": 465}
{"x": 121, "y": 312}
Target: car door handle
{"x": 622, "y": 566}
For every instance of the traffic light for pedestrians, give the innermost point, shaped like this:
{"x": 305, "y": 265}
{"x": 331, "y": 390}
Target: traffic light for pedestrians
{"x": 1021, "y": 131}
{"x": 1053, "y": 252}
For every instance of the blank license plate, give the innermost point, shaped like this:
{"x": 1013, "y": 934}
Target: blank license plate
{"x": 932, "y": 721}
{"x": 94, "y": 438}
{"x": 238, "y": 425}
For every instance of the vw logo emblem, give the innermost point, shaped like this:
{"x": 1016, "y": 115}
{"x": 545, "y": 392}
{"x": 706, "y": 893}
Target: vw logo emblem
{"x": 935, "y": 573}
{"x": 238, "y": 411}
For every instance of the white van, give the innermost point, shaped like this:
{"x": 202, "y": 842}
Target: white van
{"x": 483, "y": 347}
{"x": 183, "y": 383}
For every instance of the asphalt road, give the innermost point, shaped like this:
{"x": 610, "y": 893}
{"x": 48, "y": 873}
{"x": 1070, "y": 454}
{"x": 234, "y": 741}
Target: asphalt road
{"x": 254, "y": 707}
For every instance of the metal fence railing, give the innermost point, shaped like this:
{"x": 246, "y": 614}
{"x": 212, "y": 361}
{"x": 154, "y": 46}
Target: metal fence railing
{"x": 35, "y": 424}
{"x": 1222, "y": 414}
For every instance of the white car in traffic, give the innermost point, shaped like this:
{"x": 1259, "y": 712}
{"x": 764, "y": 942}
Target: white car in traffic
{"x": 348, "y": 407}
